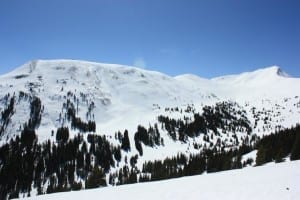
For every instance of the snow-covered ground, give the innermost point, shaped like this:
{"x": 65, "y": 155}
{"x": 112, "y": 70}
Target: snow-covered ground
{"x": 125, "y": 97}
{"x": 119, "y": 97}
{"x": 272, "y": 181}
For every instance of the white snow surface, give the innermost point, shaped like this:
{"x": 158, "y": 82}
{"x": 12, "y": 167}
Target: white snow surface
{"x": 272, "y": 181}
{"x": 125, "y": 97}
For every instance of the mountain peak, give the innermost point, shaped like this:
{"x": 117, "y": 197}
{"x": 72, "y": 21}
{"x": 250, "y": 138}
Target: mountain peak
{"x": 274, "y": 70}
{"x": 264, "y": 74}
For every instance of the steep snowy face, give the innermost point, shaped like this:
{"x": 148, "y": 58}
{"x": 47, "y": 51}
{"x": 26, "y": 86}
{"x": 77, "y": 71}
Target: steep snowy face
{"x": 128, "y": 85}
{"x": 112, "y": 82}
{"x": 118, "y": 97}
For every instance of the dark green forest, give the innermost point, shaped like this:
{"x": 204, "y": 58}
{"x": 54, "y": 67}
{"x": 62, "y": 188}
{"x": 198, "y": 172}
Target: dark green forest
{"x": 26, "y": 163}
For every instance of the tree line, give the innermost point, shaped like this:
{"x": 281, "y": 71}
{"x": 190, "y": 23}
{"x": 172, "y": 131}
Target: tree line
{"x": 223, "y": 116}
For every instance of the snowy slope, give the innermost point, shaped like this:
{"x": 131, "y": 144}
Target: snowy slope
{"x": 124, "y": 97}
{"x": 280, "y": 181}
{"x": 270, "y": 82}
{"x": 118, "y": 97}
{"x": 116, "y": 90}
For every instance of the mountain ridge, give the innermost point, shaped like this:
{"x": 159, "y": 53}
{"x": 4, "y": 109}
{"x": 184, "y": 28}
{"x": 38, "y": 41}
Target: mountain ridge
{"x": 268, "y": 79}
{"x": 275, "y": 70}
{"x": 117, "y": 89}
{"x": 118, "y": 97}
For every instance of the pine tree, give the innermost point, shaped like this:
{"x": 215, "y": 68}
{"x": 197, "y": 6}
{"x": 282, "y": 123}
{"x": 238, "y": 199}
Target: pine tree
{"x": 96, "y": 179}
{"x": 295, "y": 154}
{"x": 62, "y": 134}
{"x": 261, "y": 156}
{"x": 125, "y": 142}
{"x": 117, "y": 154}
{"x": 139, "y": 147}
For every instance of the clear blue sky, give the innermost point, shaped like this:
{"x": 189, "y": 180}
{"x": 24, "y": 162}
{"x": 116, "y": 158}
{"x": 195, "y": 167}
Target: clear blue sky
{"x": 205, "y": 37}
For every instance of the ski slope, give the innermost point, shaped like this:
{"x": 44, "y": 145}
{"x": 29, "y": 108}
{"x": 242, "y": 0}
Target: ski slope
{"x": 272, "y": 181}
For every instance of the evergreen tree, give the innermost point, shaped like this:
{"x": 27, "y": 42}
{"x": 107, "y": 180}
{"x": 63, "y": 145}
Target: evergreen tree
{"x": 96, "y": 179}
{"x": 139, "y": 147}
{"x": 295, "y": 154}
{"x": 125, "y": 142}
{"x": 62, "y": 134}
{"x": 261, "y": 156}
{"x": 117, "y": 154}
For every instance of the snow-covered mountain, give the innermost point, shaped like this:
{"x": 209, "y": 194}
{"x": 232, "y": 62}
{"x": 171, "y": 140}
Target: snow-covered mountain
{"x": 184, "y": 114}
{"x": 125, "y": 96}
{"x": 121, "y": 94}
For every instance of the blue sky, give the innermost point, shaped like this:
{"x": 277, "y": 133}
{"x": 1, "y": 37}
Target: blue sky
{"x": 205, "y": 37}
